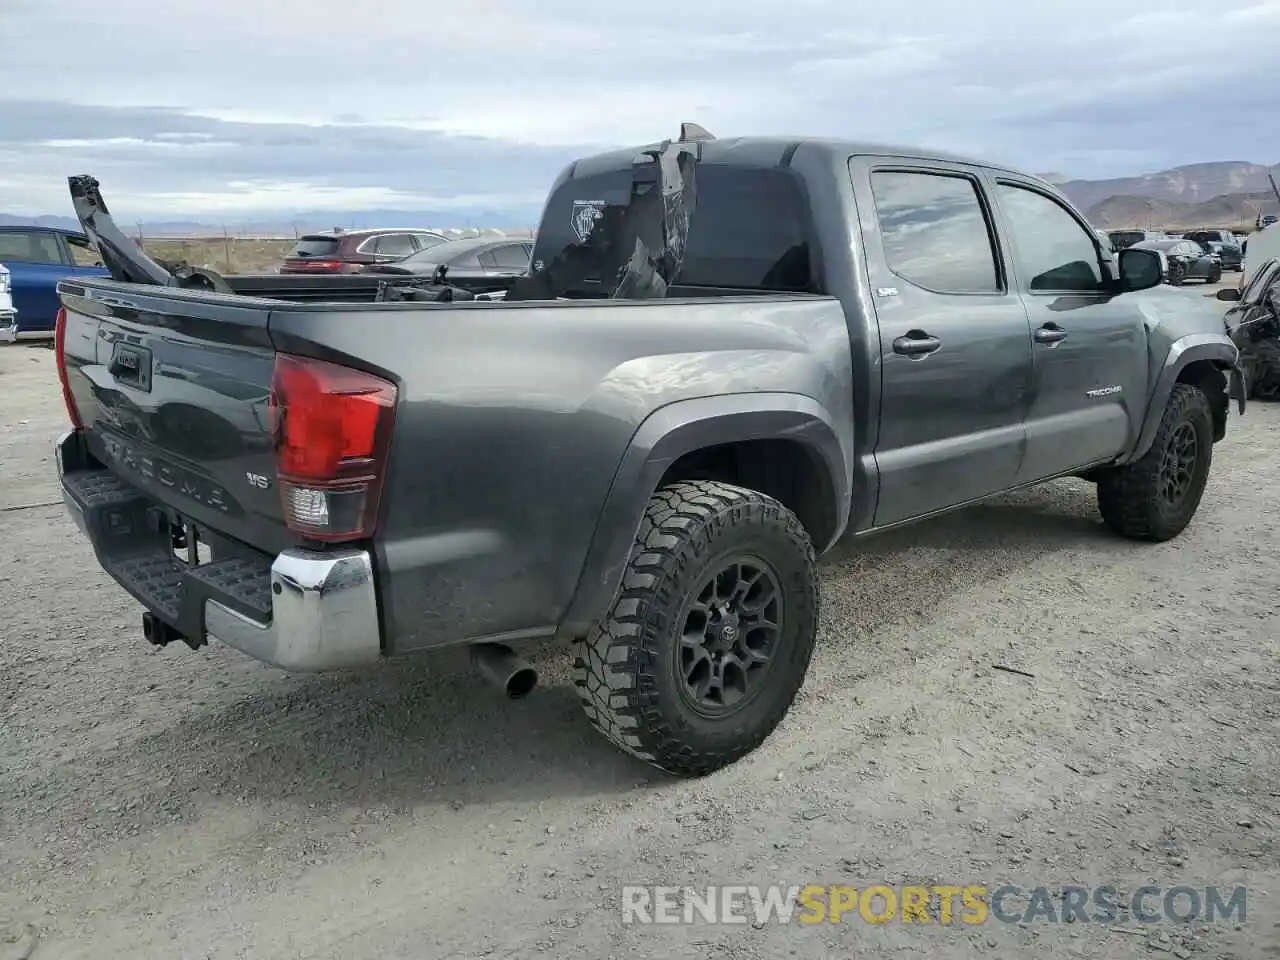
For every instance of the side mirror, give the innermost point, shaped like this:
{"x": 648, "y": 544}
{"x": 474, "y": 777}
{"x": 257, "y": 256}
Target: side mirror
{"x": 1228, "y": 294}
{"x": 1141, "y": 269}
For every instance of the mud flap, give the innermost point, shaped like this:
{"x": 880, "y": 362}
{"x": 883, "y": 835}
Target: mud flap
{"x": 1236, "y": 389}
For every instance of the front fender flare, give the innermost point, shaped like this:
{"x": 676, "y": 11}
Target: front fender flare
{"x": 1184, "y": 351}
{"x": 662, "y": 438}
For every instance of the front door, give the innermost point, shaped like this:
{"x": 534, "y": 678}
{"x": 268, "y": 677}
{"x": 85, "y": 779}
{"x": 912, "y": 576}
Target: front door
{"x": 1089, "y": 342}
{"x": 955, "y": 348}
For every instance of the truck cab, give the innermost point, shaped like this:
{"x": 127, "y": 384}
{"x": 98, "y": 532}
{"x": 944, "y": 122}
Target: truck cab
{"x": 36, "y": 258}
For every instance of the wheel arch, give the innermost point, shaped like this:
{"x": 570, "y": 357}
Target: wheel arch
{"x": 1206, "y": 360}
{"x": 780, "y": 444}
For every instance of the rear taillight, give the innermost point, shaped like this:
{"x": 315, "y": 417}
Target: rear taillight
{"x": 332, "y": 430}
{"x": 60, "y": 360}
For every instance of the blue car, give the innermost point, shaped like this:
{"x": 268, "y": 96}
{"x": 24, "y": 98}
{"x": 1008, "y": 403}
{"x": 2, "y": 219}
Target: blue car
{"x": 37, "y": 258}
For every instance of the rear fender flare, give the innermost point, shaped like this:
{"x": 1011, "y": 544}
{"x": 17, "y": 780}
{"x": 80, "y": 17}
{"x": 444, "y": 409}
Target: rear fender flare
{"x": 1184, "y": 351}
{"x": 662, "y": 438}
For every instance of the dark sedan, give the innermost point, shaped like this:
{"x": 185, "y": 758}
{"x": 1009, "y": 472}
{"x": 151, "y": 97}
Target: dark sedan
{"x": 1187, "y": 260}
{"x": 471, "y": 259}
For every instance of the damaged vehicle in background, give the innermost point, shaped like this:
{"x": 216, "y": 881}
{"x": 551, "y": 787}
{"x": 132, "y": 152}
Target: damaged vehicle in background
{"x": 1186, "y": 260}
{"x": 645, "y": 447}
{"x": 1253, "y": 324}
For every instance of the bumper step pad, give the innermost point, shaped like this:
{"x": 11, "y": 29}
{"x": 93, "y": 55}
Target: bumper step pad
{"x": 134, "y": 544}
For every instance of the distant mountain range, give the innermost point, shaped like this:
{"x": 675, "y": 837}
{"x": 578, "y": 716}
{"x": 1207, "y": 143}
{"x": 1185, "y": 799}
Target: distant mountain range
{"x": 1225, "y": 193}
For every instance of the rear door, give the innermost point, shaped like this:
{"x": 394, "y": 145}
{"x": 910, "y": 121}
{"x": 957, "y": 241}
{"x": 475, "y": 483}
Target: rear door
{"x": 954, "y": 342}
{"x": 1089, "y": 344}
{"x": 172, "y": 390}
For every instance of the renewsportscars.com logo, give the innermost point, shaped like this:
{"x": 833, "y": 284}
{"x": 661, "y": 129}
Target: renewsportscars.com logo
{"x": 940, "y": 903}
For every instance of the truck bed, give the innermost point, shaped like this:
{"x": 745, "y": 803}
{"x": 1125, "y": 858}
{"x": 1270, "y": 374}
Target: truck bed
{"x": 492, "y": 415}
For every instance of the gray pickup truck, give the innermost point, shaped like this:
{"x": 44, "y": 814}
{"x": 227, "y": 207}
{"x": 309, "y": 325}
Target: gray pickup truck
{"x": 727, "y": 354}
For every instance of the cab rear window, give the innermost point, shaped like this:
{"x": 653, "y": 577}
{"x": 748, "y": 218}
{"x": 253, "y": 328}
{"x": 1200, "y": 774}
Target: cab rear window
{"x": 749, "y": 230}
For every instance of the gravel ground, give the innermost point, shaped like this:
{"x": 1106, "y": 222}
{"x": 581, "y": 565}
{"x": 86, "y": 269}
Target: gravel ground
{"x": 166, "y": 803}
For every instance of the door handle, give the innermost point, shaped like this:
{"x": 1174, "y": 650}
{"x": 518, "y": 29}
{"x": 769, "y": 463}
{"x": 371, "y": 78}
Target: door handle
{"x": 1050, "y": 333}
{"x": 916, "y": 344}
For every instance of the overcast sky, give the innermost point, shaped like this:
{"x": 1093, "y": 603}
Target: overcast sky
{"x": 236, "y": 108}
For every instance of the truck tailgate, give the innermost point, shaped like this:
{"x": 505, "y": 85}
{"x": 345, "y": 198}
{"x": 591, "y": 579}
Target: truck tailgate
{"x": 172, "y": 390}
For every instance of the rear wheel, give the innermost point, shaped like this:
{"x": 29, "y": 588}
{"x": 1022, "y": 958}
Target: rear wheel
{"x": 1177, "y": 274}
{"x": 1155, "y": 497}
{"x": 710, "y": 637}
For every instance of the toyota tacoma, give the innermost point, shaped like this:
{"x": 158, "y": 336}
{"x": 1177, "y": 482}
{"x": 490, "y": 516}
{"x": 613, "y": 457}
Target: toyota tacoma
{"x": 726, "y": 355}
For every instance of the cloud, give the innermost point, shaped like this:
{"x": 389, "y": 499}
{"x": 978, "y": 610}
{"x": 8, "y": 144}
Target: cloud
{"x": 190, "y": 108}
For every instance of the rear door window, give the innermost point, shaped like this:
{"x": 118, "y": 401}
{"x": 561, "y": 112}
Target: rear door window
{"x": 83, "y": 253}
{"x": 394, "y": 245}
{"x": 512, "y": 256}
{"x": 935, "y": 232}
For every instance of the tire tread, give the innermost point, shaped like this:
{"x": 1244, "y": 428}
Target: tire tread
{"x": 614, "y": 666}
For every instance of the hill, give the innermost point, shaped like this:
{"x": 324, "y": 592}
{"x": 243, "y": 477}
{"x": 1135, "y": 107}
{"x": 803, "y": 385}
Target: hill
{"x": 1190, "y": 184}
{"x": 1230, "y": 211}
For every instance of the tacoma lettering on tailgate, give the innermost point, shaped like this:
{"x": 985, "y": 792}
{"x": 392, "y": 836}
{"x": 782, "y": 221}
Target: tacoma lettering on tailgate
{"x": 167, "y": 474}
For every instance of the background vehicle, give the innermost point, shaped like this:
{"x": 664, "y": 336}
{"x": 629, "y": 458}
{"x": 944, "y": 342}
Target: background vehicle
{"x": 1222, "y": 243}
{"x": 1229, "y": 255}
{"x": 1187, "y": 260}
{"x": 466, "y": 259}
{"x": 1123, "y": 239}
{"x": 1254, "y": 326}
{"x": 348, "y": 250}
{"x": 37, "y": 258}
{"x": 643, "y": 449}
{"x": 6, "y": 300}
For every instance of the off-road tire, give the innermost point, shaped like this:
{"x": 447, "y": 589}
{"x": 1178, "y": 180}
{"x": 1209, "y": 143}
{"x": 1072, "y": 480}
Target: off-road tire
{"x": 1177, "y": 274}
{"x": 1129, "y": 497}
{"x": 625, "y": 669}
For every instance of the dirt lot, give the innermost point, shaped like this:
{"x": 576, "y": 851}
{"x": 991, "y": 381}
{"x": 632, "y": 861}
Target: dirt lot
{"x": 165, "y": 803}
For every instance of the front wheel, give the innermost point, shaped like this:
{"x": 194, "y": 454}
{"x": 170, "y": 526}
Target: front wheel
{"x": 1155, "y": 497}
{"x": 710, "y": 636}
{"x": 1214, "y": 275}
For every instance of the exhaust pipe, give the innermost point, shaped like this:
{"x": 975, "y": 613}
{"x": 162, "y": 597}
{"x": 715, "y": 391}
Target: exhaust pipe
{"x": 500, "y": 665}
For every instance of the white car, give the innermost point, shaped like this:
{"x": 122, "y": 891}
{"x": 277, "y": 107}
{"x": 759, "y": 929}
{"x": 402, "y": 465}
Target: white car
{"x": 8, "y": 315}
